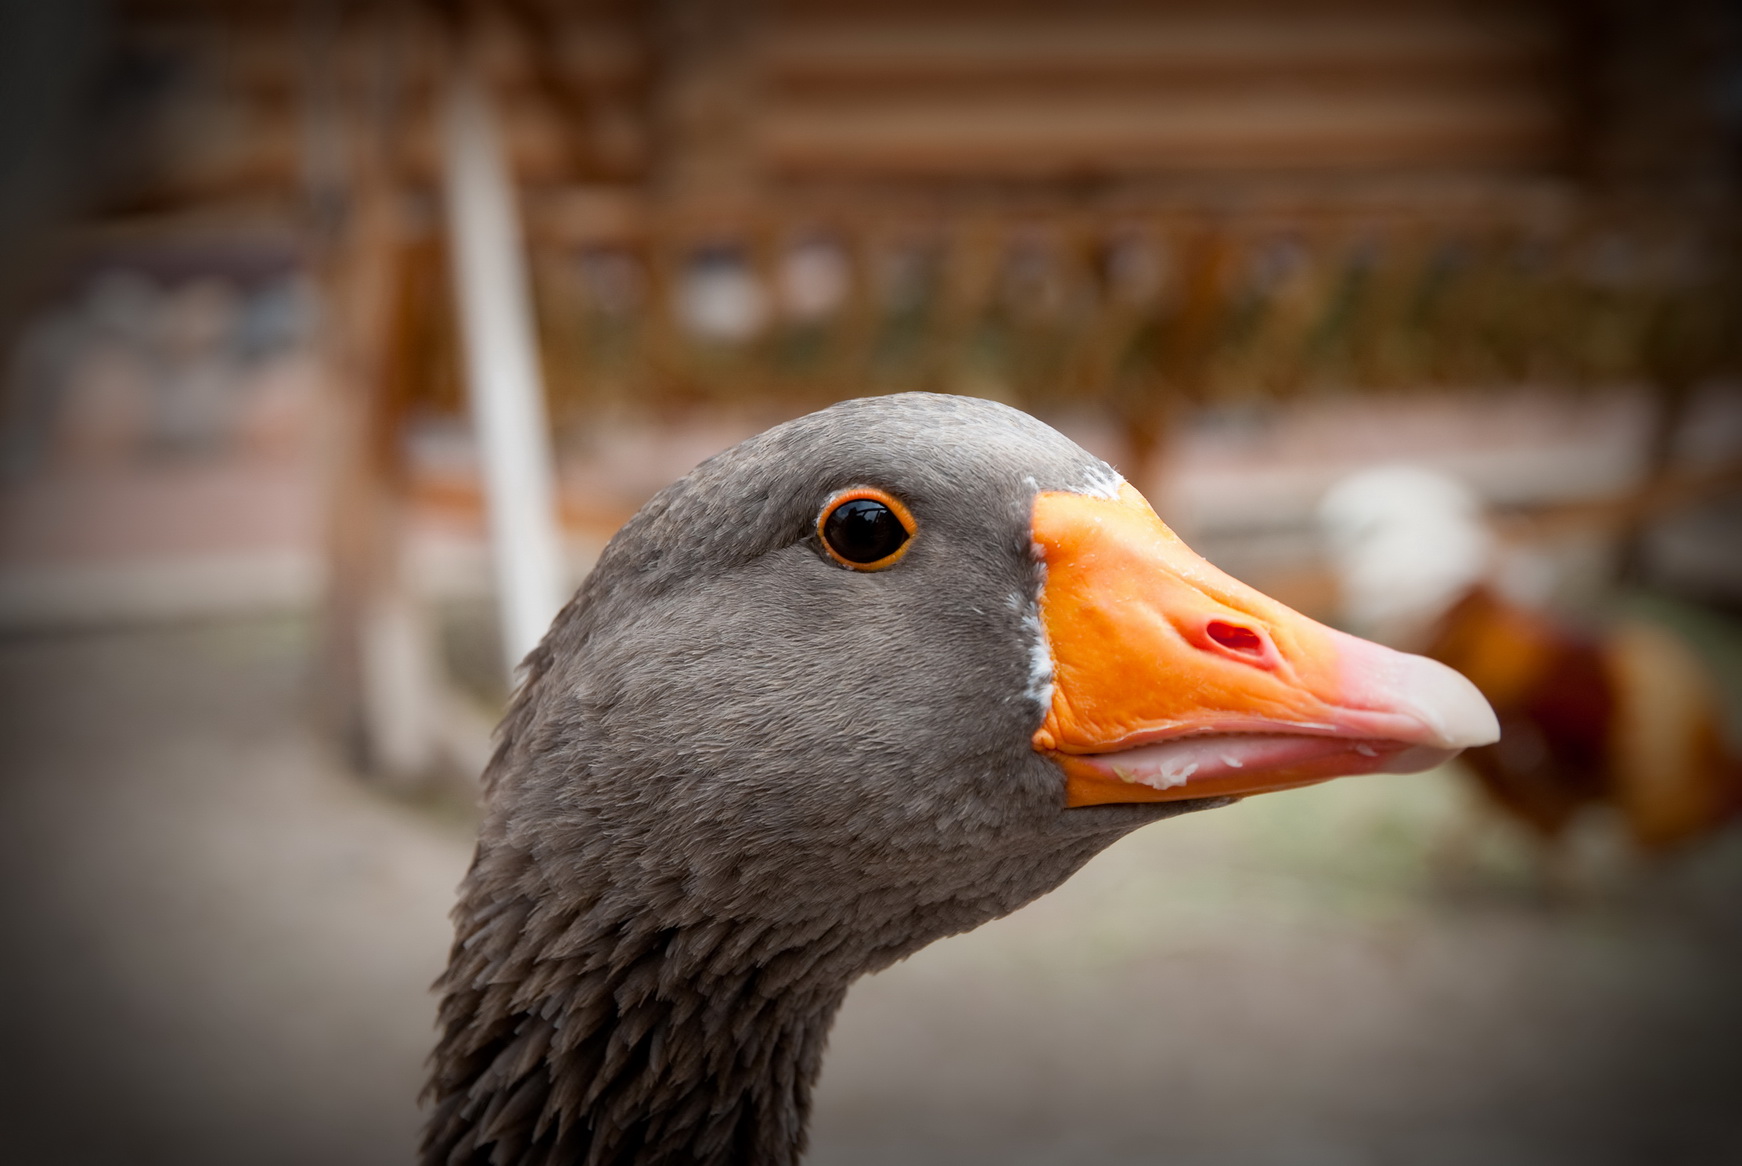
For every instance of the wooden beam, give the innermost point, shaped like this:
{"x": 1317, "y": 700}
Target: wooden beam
{"x": 503, "y": 382}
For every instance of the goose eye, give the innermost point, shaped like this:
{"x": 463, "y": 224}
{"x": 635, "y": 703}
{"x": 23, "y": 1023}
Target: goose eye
{"x": 865, "y": 529}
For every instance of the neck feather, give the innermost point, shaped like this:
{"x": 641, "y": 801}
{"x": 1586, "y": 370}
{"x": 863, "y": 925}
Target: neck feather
{"x": 596, "y": 1036}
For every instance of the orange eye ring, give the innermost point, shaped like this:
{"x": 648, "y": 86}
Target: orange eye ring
{"x": 866, "y": 494}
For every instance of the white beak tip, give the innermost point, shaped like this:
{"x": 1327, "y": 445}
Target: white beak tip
{"x": 1450, "y": 705}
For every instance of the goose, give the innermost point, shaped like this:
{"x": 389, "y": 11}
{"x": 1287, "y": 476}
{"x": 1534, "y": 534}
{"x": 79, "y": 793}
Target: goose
{"x": 873, "y": 677}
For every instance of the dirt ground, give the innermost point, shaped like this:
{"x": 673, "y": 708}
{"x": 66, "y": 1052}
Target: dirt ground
{"x": 217, "y": 946}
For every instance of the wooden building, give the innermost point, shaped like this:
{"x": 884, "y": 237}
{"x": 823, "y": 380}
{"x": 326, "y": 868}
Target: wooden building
{"x": 769, "y": 204}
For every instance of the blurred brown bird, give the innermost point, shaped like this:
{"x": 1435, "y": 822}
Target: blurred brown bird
{"x": 1624, "y": 715}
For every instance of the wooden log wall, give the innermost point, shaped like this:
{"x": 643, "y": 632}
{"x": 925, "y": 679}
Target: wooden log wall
{"x": 1127, "y": 207}
{"x": 798, "y": 93}
{"x": 1103, "y": 94}
{"x": 1122, "y": 205}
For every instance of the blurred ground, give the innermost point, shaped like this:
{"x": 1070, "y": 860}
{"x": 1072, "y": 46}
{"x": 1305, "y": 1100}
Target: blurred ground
{"x": 219, "y": 946}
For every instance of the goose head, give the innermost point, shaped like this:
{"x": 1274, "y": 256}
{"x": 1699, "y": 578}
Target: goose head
{"x": 871, "y": 678}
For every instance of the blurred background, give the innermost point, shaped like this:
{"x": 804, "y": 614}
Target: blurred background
{"x": 337, "y": 337}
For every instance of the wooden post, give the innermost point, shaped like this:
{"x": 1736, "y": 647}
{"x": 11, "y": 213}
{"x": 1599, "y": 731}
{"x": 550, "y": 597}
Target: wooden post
{"x": 503, "y": 384}
{"x": 382, "y": 682}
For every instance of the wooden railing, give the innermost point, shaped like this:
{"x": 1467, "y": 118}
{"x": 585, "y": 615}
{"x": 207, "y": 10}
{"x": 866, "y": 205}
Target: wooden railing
{"x": 1135, "y": 315}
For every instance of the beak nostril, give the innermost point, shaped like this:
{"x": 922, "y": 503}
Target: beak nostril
{"x": 1236, "y": 638}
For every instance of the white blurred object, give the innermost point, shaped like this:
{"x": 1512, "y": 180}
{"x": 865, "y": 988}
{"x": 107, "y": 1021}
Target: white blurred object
{"x": 718, "y": 298}
{"x": 1406, "y": 543}
{"x": 199, "y": 366}
{"x": 1137, "y": 270}
{"x": 125, "y": 307}
{"x": 814, "y": 280}
{"x": 614, "y": 281}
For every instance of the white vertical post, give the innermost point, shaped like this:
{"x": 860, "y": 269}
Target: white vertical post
{"x": 502, "y": 376}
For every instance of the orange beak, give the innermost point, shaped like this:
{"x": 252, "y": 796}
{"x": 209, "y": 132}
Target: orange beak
{"x": 1173, "y": 680}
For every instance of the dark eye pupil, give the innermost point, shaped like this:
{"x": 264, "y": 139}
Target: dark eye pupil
{"x": 864, "y": 531}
